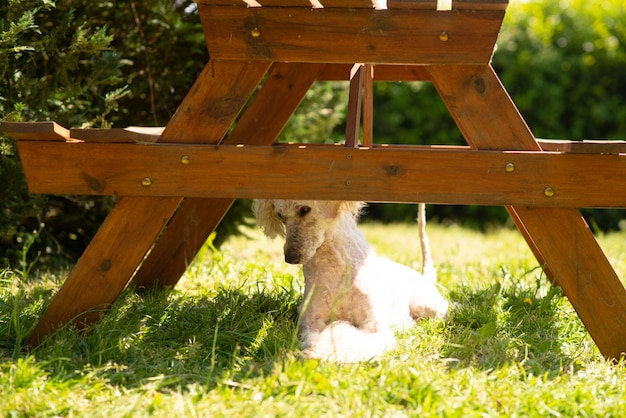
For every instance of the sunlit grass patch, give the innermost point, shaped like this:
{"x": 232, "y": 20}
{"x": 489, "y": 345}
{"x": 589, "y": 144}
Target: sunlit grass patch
{"x": 224, "y": 342}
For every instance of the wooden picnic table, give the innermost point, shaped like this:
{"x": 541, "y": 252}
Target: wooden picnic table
{"x": 174, "y": 184}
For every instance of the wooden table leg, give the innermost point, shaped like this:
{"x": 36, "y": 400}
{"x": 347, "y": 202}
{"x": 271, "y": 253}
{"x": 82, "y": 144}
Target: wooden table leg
{"x": 583, "y": 272}
{"x": 130, "y": 229}
{"x": 489, "y": 119}
{"x": 283, "y": 90}
{"x": 105, "y": 268}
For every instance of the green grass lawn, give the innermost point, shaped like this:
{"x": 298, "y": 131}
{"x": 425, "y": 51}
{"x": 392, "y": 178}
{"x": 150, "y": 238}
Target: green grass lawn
{"x": 223, "y": 343}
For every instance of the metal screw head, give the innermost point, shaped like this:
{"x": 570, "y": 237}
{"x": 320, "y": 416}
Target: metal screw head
{"x": 255, "y": 32}
{"x": 443, "y": 36}
{"x": 509, "y": 167}
{"x": 185, "y": 159}
{"x": 549, "y": 191}
{"x": 146, "y": 182}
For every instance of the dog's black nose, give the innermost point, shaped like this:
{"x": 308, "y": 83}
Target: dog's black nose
{"x": 292, "y": 256}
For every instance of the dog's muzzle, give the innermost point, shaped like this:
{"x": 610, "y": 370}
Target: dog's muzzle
{"x": 292, "y": 255}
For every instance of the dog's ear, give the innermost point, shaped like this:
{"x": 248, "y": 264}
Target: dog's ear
{"x": 267, "y": 219}
{"x": 331, "y": 208}
{"x": 353, "y": 208}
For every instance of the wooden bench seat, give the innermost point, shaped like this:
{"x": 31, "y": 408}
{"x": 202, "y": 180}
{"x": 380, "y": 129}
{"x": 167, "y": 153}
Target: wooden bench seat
{"x": 51, "y": 131}
{"x": 585, "y": 174}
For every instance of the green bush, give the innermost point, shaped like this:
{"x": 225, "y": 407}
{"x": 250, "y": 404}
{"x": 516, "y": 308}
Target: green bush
{"x": 52, "y": 67}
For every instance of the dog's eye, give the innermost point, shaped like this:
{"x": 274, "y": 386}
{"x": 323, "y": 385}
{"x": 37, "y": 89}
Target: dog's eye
{"x": 304, "y": 210}
{"x": 282, "y": 218}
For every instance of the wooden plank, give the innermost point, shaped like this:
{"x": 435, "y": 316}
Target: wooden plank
{"x": 368, "y": 105}
{"x": 196, "y": 218}
{"x": 400, "y": 36}
{"x": 35, "y": 131}
{"x": 129, "y": 134}
{"x": 134, "y": 223}
{"x": 353, "y": 116}
{"x": 412, "y": 4}
{"x": 400, "y": 73}
{"x": 382, "y": 72}
{"x": 282, "y": 92}
{"x": 390, "y": 4}
{"x": 257, "y": 3}
{"x": 102, "y": 272}
{"x": 179, "y": 243}
{"x": 366, "y": 4}
{"x": 584, "y": 147}
{"x": 480, "y": 102}
{"x": 479, "y": 4}
{"x": 363, "y": 4}
{"x": 214, "y": 101}
{"x": 403, "y": 174}
{"x": 489, "y": 119}
{"x": 240, "y": 3}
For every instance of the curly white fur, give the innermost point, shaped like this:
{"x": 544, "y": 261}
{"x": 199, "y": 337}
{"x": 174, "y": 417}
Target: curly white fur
{"x": 353, "y": 298}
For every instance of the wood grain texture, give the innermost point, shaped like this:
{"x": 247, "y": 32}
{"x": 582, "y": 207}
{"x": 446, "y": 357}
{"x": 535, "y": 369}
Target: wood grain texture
{"x": 559, "y": 236}
{"x": 214, "y": 101}
{"x": 130, "y": 134}
{"x": 353, "y": 113}
{"x": 382, "y": 72}
{"x": 367, "y": 4}
{"x": 103, "y": 270}
{"x": 592, "y": 146}
{"x": 39, "y": 131}
{"x": 400, "y": 174}
{"x": 333, "y": 35}
{"x": 479, "y": 4}
{"x": 368, "y": 105}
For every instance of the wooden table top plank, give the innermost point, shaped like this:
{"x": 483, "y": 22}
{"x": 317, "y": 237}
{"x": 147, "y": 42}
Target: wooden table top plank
{"x": 366, "y": 4}
{"x": 479, "y": 4}
{"x": 394, "y": 36}
{"x": 130, "y": 134}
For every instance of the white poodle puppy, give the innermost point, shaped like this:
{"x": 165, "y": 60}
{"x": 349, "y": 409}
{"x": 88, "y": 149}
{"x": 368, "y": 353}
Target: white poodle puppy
{"x": 353, "y": 299}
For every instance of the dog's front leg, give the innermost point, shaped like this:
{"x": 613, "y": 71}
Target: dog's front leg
{"x": 315, "y": 313}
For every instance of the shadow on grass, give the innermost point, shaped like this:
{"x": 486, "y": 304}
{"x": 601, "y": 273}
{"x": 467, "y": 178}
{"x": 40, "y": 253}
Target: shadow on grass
{"x": 173, "y": 340}
{"x": 176, "y": 340}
